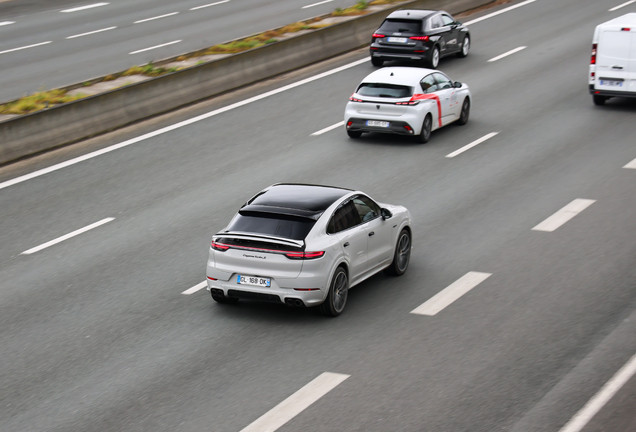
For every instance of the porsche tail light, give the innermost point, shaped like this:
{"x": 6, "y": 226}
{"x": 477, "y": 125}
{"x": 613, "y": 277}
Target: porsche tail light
{"x": 219, "y": 246}
{"x": 304, "y": 255}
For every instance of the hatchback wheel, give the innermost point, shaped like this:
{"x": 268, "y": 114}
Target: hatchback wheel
{"x": 463, "y": 116}
{"x": 338, "y": 291}
{"x": 376, "y": 62}
{"x": 402, "y": 255}
{"x": 465, "y": 47}
{"x": 354, "y": 134}
{"x": 425, "y": 134}
{"x": 433, "y": 61}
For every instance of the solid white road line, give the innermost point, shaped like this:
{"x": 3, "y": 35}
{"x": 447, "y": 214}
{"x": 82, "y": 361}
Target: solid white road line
{"x": 476, "y": 20}
{"x": 195, "y": 288}
{"x": 155, "y": 18}
{"x": 316, "y": 4}
{"x": 67, "y": 236}
{"x": 25, "y": 47}
{"x": 327, "y": 129}
{"x": 179, "y": 125}
{"x": 621, "y": 5}
{"x": 506, "y": 54}
{"x": 90, "y": 6}
{"x": 471, "y": 145}
{"x": 4, "y": 23}
{"x": 564, "y": 215}
{"x": 90, "y": 33}
{"x": 632, "y": 164}
{"x": 155, "y": 47}
{"x": 296, "y": 403}
{"x": 594, "y": 405}
{"x": 451, "y": 293}
{"x": 208, "y": 5}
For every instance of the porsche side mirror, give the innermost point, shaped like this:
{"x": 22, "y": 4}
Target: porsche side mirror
{"x": 457, "y": 84}
{"x": 386, "y": 214}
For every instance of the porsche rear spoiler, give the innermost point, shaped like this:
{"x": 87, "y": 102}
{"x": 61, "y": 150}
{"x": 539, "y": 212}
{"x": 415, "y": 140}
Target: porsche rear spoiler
{"x": 260, "y": 237}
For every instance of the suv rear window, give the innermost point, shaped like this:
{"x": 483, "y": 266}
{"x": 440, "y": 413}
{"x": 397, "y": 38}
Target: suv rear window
{"x": 401, "y": 26}
{"x": 384, "y": 90}
{"x": 272, "y": 224}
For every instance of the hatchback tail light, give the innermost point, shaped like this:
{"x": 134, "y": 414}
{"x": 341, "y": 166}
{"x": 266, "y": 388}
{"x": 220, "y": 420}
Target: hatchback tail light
{"x": 593, "y": 59}
{"x": 219, "y": 246}
{"x": 377, "y": 36}
{"x": 304, "y": 255}
{"x": 352, "y": 99}
{"x": 419, "y": 38}
{"x": 415, "y": 102}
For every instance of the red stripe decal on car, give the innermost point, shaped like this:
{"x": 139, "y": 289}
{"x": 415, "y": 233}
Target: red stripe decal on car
{"x": 419, "y": 96}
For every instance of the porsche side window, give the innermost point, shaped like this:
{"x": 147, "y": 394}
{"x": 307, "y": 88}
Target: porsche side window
{"x": 442, "y": 81}
{"x": 366, "y": 208}
{"x": 344, "y": 218}
{"x": 429, "y": 85}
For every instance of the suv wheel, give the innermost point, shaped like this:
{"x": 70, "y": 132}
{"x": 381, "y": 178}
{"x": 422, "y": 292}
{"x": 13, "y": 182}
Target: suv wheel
{"x": 465, "y": 47}
{"x": 337, "y": 297}
{"x": 376, "y": 62}
{"x": 433, "y": 61}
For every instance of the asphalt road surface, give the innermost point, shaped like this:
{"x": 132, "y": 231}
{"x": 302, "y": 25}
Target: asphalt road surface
{"x": 97, "y": 335}
{"x": 49, "y": 44}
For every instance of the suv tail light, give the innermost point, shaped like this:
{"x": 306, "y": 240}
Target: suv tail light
{"x": 420, "y": 38}
{"x": 593, "y": 59}
{"x": 304, "y": 255}
{"x": 219, "y": 246}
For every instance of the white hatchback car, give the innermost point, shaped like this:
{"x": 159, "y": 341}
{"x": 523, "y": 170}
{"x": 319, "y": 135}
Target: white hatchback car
{"x": 406, "y": 101}
{"x": 306, "y": 245}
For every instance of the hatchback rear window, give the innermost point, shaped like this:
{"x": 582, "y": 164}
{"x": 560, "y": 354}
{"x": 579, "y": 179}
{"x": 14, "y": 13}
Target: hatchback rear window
{"x": 384, "y": 90}
{"x": 401, "y": 26}
{"x": 272, "y": 224}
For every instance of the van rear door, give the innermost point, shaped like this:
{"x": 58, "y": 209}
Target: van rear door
{"x": 616, "y": 59}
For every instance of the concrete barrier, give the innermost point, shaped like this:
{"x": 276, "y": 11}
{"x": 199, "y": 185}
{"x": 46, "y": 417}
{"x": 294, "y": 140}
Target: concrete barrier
{"x": 44, "y": 130}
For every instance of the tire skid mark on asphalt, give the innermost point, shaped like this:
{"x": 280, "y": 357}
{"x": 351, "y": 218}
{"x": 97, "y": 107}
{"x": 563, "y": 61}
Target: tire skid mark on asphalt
{"x": 296, "y": 403}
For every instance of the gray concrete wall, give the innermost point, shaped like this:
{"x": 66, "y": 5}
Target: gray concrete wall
{"x": 33, "y": 133}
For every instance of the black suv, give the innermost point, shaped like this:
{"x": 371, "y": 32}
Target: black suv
{"x": 423, "y": 36}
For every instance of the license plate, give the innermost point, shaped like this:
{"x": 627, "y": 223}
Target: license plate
{"x": 253, "y": 280}
{"x": 377, "y": 123}
{"x": 612, "y": 83}
{"x": 397, "y": 39}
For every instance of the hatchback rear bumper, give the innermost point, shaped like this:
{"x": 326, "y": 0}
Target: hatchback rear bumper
{"x": 395, "y": 127}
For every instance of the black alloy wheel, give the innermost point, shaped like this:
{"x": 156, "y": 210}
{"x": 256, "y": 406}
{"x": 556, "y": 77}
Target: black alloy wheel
{"x": 377, "y": 62}
{"x": 463, "y": 116}
{"x": 402, "y": 255}
{"x": 354, "y": 134}
{"x": 425, "y": 134}
{"x": 338, "y": 292}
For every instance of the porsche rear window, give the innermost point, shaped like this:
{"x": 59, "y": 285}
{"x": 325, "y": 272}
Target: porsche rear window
{"x": 401, "y": 26}
{"x": 384, "y": 90}
{"x": 272, "y": 224}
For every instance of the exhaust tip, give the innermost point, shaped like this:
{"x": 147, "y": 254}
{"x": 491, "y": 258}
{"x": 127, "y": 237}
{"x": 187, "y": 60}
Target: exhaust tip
{"x": 294, "y": 302}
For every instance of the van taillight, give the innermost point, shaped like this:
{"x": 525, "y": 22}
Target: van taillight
{"x": 625, "y": 29}
{"x": 593, "y": 59}
{"x": 304, "y": 255}
{"x": 219, "y": 246}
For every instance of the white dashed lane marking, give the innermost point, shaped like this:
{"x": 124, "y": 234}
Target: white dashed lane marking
{"x": 499, "y": 12}
{"x": 471, "y": 145}
{"x": 155, "y": 18}
{"x": 316, "y": 4}
{"x": 631, "y": 165}
{"x": 208, "y": 5}
{"x": 155, "y": 47}
{"x": 506, "y": 54}
{"x": 195, "y": 288}
{"x": 621, "y": 5}
{"x": 25, "y": 47}
{"x": 81, "y": 8}
{"x": 328, "y": 128}
{"x": 90, "y": 33}
{"x": 564, "y": 215}
{"x": 451, "y": 293}
{"x": 68, "y": 236}
{"x": 296, "y": 403}
{"x": 4, "y": 23}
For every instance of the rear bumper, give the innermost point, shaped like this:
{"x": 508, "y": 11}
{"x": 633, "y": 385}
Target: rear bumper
{"x": 382, "y": 55}
{"x": 611, "y": 93}
{"x": 395, "y": 127}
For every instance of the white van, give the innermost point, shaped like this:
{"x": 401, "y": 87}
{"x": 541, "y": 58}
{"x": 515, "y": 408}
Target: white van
{"x": 613, "y": 63}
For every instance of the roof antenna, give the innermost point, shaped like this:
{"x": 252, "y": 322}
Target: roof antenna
{"x": 408, "y": 13}
{"x": 391, "y": 73}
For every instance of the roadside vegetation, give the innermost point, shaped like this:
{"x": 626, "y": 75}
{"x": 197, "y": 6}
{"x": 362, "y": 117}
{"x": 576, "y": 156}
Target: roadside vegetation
{"x": 46, "y": 99}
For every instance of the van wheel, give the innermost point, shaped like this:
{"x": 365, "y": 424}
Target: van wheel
{"x": 425, "y": 134}
{"x": 599, "y": 100}
{"x": 338, "y": 292}
{"x": 402, "y": 255}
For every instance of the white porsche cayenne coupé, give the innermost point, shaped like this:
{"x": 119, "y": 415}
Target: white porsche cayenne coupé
{"x": 406, "y": 101}
{"x": 306, "y": 245}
